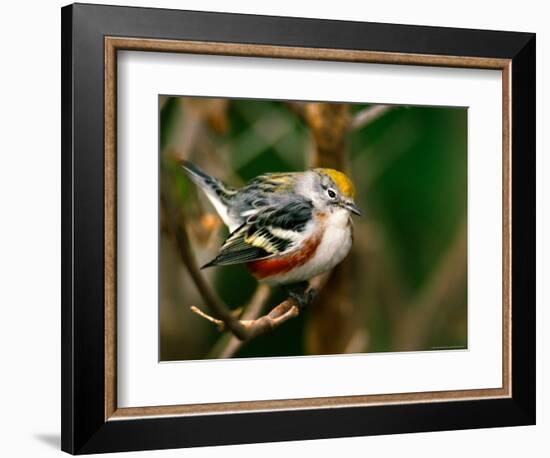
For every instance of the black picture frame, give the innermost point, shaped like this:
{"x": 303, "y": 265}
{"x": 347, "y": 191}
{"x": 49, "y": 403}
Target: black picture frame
{"x": 84, "y": 427}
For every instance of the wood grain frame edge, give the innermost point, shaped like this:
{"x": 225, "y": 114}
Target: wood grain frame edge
{"x": 112, "y": 45}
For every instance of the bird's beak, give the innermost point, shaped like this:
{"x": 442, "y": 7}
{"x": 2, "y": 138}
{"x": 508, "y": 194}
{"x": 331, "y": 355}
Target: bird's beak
{"x": 352, "y": 208}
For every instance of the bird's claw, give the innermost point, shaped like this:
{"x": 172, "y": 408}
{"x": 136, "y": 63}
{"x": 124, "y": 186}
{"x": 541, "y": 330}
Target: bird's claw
{"x": 312, "y": 294}
{"x": 303, "y": 298}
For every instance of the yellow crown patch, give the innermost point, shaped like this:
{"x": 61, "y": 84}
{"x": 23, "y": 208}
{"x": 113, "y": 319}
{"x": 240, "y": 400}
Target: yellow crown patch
{"x": 341, "y": 180}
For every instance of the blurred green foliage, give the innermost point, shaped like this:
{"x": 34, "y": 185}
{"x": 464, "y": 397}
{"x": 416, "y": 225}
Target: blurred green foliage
{"x": 410, "y": 170}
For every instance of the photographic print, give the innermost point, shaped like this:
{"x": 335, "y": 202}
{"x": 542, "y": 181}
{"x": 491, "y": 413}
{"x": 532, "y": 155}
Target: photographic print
{"x": 295, "y": 228}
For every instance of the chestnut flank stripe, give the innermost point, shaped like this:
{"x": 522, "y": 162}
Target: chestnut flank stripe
{"x": 278, "y": 265}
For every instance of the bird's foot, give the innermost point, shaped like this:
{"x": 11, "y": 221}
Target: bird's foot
{"x": 312, "y": 294}
{"x": 301, "y": 294}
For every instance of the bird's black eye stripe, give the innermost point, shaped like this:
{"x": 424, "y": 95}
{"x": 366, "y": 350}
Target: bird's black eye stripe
{"x": 331, "y": 193}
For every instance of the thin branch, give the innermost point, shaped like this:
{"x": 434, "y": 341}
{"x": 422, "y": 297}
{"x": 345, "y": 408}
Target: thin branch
{"x": 368, "y": 115}
{"x": 264, "y": 324}
{"x": 228, "y": 345}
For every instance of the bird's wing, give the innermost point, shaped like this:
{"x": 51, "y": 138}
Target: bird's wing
{"x": 272, "y": 230}
{"x": 257, "y": 195}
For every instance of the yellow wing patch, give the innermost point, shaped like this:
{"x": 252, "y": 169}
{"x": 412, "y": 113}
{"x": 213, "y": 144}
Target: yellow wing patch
{"x": 341, "y": 180}
{"x": 260, "y": 240}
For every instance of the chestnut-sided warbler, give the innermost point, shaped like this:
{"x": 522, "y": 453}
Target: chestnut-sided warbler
{"x": 286, "y": 227}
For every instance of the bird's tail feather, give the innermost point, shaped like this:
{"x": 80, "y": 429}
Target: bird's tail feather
{"x": 216, "y": 191}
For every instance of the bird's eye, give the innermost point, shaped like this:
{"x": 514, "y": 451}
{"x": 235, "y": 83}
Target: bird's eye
{"x": 331, "y": 193}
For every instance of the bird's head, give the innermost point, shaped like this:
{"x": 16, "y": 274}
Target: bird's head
{"x": 333, "y": 190}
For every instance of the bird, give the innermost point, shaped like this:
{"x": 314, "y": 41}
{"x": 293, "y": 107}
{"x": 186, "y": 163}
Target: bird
{"x": 286, "y": 227}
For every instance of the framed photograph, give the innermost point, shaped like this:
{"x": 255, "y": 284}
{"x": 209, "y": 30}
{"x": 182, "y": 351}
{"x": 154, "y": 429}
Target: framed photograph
{"x": 281, "y": 228}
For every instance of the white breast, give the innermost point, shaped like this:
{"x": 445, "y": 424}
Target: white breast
{"x": 333, "y": 248}
{"x": 335, "y": 244}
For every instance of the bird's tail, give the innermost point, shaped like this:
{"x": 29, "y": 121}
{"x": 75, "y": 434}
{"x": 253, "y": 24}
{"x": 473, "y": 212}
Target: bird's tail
{"x": 217, "y": 192}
